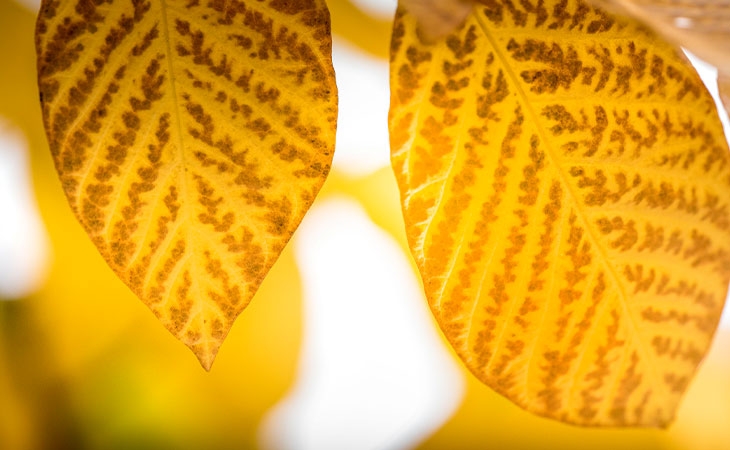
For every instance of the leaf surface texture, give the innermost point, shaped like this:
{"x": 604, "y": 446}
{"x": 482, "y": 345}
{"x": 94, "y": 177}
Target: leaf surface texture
{"x": 565, "y": 184}
{"x": 190, "y": 138}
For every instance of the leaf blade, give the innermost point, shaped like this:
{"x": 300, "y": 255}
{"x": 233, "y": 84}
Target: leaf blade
{"x": 183, "y": 143}
{"x": 535, "y": 199}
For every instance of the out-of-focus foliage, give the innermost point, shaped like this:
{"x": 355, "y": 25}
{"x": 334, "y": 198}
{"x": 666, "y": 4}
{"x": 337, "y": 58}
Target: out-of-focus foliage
{"x": 703, "y": 27}
{"x": 699, "y": 26}
{"x": 369, "y": 34}
{"x": 437, "y": 18}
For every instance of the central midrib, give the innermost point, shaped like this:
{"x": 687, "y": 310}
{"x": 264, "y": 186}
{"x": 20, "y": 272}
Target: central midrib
{"x": 622, "y": 297}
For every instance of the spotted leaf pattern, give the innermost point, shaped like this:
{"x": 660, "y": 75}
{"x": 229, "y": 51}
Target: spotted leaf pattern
{"x": 190, "y": 138}
{"x": 566, "y": 190}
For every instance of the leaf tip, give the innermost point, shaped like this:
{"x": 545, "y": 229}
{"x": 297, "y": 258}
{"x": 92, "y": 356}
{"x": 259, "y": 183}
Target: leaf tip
{"x": 205, "y": 354}
{"x": 203, "y": 342}
{"x": 206, "y": 363}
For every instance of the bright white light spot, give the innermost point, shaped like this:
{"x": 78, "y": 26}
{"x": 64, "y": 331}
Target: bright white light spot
{"x": 23, "y": 242}
{"x": 362, "y": 128}
{"x": 373, "y": 372}
{"x": 683, "y": 22}
{"x": 382, "y": 9}
{"x": 708, "y": 73}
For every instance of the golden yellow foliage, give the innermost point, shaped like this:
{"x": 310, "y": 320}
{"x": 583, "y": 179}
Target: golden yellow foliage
{"x": 566, "y": 186}
{"x": 190, "y": 138}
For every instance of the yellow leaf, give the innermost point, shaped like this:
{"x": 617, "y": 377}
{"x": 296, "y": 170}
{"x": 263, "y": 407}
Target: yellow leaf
{"x": 190, "y": 138}
{"x": 566, "y": 190}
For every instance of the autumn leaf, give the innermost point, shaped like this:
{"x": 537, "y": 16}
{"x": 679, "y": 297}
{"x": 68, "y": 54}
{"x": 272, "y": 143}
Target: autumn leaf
{"x": 190, "y": 139}
{"x": 565, "y": 184}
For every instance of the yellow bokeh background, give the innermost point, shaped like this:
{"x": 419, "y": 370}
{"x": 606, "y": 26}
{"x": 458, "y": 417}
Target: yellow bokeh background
{"x": 84, "y": 364}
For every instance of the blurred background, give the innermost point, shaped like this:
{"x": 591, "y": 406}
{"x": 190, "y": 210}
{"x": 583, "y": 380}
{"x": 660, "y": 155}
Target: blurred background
{"x": 336, "y": 351}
